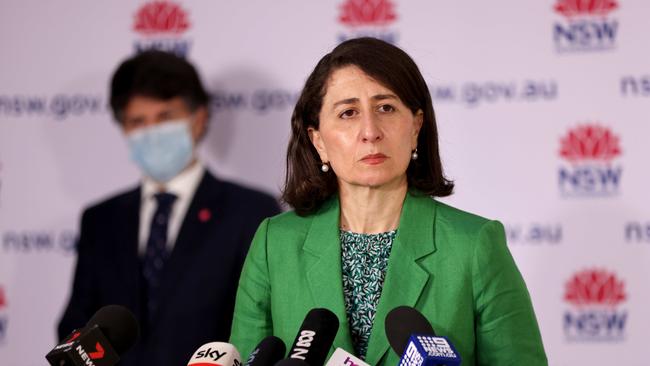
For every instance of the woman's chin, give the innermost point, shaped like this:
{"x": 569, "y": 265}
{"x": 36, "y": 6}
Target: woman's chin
{"x": 381, "y": 182}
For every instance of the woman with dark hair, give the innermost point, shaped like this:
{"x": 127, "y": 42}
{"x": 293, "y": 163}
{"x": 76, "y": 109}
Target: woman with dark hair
{"x": 367, "y": 236}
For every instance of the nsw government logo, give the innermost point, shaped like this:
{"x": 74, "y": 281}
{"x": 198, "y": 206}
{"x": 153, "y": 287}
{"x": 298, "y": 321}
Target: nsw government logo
{"x": 4, "y": 319}
{"x": 595, "y": 297}
{"x": 586, "y": 25}
{"x": 161, "y": 25}
{"x": 590, "y": 152}
{"x": 368, "y": 18}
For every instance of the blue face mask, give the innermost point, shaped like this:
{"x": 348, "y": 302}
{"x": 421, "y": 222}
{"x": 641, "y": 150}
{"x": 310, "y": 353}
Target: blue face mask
{"x": 162, "y": 151}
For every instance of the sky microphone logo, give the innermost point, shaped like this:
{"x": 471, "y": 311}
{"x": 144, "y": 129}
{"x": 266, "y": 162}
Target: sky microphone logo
{"x": 161, "y": 25}
{"x": 4, "y": 319}
{"x": 586, "y": 25}
{"x": 589, "y": 152}
{"x": 595, "y": 297}
{"x": 368, "y": 18}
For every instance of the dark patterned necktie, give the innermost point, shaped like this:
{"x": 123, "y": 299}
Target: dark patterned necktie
{"x": 156, "y": 253}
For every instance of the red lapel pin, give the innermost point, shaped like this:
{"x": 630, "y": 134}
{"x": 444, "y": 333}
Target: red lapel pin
{"x": 204, "y": 215}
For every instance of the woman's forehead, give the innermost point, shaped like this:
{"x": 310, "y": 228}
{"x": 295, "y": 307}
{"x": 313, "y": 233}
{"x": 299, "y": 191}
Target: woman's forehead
{"x": 352, "y": 82}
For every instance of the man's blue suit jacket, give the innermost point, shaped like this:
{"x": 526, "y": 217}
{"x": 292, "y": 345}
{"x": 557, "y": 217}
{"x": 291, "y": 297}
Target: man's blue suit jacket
{"x": 200, "y": 277}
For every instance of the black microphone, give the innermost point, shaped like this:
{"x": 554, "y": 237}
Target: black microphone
{"x": 291, "y": 362}
{"x": 108, "y": 334}
{"x": 403, "y": 321}
{"x": 411, "y": 335}
{"x": 269, "y": 351}
{"x": 315, "y": 337}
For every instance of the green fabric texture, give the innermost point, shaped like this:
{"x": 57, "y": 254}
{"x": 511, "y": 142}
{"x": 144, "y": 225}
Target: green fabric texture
{"x": 454, "y": 267}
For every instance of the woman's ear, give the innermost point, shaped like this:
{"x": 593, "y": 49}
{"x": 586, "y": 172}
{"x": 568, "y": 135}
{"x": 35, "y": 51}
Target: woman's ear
{"x": 418, "y": 119}
{"x": 317, "y": 141}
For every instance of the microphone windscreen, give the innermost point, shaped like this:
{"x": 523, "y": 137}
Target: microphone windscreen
{"x": 291, "y": 362}
{"x": 269, "y": 351}
{"x": 403, "y": 321}
{"x": 315, "y": 337}
{"x": 118, "y": 325}
{"x": 216, "y": 353}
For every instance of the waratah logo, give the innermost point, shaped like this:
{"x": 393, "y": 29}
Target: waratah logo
{"x": 4, "y": 319}
{"x": 162, "y": 23}
{"x": 590, "y": 142}
{"x": 368, "y": 18}
{"x": 594, "y": 287}
{"x": 595, "y": 296}
{"x": 161, "y": 17}
{"x": 587, "y": 25}
{"x": 570, "y": 8}
{"x": 3, "y": 299}
{"x": 590, "y": 151}
{"x": 356, "y": 13}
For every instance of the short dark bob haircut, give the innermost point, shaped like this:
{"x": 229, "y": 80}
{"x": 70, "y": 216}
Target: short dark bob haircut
{"x": 306, "y": 186}
{"x": 158, "y": 75}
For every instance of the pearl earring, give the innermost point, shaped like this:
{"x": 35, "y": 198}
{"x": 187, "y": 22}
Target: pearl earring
{"x": 414, "y": 154}
{"x": 325, "y": 168}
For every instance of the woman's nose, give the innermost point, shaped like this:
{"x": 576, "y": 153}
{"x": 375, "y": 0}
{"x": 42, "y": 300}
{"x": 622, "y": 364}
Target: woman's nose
{"x": 370, "y": 131}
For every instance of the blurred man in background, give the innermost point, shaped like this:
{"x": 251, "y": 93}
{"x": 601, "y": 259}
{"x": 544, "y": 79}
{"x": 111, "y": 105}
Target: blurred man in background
{"x": 171, "y": 249}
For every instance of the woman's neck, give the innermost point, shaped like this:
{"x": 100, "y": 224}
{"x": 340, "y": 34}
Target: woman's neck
{"x": 371, "y": 210}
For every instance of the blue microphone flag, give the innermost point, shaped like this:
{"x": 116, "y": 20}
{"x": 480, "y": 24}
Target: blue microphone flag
{"x": 428, "y": 350}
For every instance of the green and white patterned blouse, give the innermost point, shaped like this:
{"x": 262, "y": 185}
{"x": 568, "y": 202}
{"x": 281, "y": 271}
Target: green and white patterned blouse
{"x": 364, "y": 263}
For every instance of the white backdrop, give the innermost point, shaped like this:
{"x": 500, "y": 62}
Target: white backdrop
{"x": 514, "y": 84}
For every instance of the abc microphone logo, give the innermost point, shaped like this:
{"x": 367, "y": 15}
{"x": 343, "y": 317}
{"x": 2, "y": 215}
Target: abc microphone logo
{"x": 302, "y": 346}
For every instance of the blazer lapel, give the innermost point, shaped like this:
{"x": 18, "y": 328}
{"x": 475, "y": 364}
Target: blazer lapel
{"x": 126, "y": 243}
{"x": 405, "y": 279}
{"x": 324, "y": 268}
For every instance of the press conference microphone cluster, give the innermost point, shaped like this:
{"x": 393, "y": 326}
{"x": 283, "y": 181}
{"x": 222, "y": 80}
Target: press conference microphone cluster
{"x": 411, "y": 335}
{"x": 109, "y": 333}
{"x": 269, "y": 351}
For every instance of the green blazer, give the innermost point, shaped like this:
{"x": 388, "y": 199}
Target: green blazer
{"x": 452, "y": 266}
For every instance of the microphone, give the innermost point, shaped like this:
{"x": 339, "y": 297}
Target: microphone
{"x": 216, "y": 353}
{"x": 401, "y": 322}
{"x": 110, "y": 332}
{"x": 410, "y": 334}
{"x": 428, "y": 350}
{"x": 341, "y": 357}
{"x": 291, "y": 362}
{"x": 269, "y": 351}
{"x": 315, "y": 337}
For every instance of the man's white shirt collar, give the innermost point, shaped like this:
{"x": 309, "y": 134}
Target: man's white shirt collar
{"x": 183, "y": 186}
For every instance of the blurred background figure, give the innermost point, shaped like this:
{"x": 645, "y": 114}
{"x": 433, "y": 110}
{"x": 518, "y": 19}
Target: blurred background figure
{"x": 172, "y": 248}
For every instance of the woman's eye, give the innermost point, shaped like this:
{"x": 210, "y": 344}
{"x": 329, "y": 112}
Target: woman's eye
{"x": 386, "y": 108}
{"x": 349, "y": 113}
